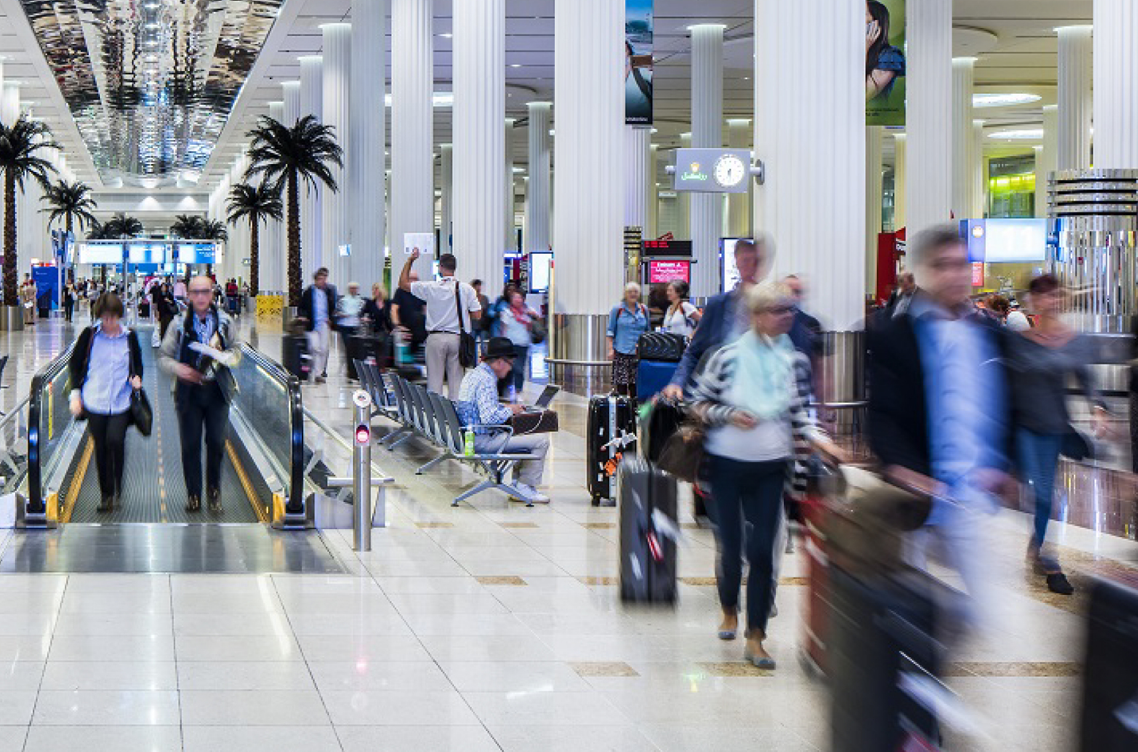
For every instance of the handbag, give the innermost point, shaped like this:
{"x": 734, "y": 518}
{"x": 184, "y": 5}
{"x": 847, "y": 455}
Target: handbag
{"x": 141, "y": 414}
{"x": 537, "y": 331}
{"x": 543, "y": 421}
{"x": 684, "y": 452}
{"x": 467, "y": 345}
{"x": 1077, "y": 446}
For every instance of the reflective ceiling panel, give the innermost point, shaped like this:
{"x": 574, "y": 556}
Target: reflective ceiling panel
{"x": 150, "y": 83}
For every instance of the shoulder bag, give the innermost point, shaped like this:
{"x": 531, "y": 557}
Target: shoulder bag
{"x": 684, "y": 451}
{"x": 141, "y": 413}
{"x": 467, "y": 345}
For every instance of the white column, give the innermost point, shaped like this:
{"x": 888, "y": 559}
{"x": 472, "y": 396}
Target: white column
{"x": 479, "y": 138}
{"x": 739, "y": 132}
{"x": 828, "y": 252}
{"x": 334, "y": 207}
{"x": 537, "y": 205}
{"x": 367, "y": 134}
{"x": 651, "y": 176}
{"x": 311, "y": 215}
{"x": 637, "y": 143}
{"x": 1116, "y": 85}
{"x": 446, "y": 219}
{"x": 873, "y": 201}
{"x": 1075, "y": 99}
{"x": 1046, "y": 157}
{"x": 510, "y": 236}
{"x": 290, "y": 107}
{"x": 928, "y": 119}
{"x": 979, "y": 171}
{"x": 963, "y": 180}
{"x": 272, "y": 239}
{"x": 707, "y": 132}
{"x": 589, "y": 89}
{"x": 412, "y": 126}
{"x": 10, "y": 106}
{"x": 683, "y": 200}
{"x": 900, "y": 173}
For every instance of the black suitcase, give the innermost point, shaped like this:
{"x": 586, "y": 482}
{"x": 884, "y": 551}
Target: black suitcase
{"x": 294, "y": 355}
{"x": 663, "y": 346}
{"x": 665, "y": 419}
{"x": 1110, "y": 676}
{"x": 648, "y": 533}
{"x": 881, "y": 634}
{"x": 610, "y": 417}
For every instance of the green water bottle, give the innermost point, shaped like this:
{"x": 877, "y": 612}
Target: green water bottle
{"x": 468, "y": 443}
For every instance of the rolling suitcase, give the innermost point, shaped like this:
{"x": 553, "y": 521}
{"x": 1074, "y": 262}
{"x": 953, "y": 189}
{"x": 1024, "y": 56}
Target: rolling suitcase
{"x": 611, "y": 429}
{"x": 648, "y": 533}
{"x": 661, "y": 346}
{"x": 294, "y": 355}
{"x": 652, "y": 376}
{"x": 1110, "y": 677}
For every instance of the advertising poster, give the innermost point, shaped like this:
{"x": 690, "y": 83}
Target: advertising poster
{"x": 884, "y": 62}
{"x": 638, "y": 24}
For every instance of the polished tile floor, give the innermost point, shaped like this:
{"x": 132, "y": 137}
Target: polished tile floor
{"x": 488, "y": 627}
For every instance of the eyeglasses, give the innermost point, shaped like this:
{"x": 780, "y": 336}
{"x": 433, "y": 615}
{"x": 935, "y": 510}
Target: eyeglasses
{"x": 201, "y": 292}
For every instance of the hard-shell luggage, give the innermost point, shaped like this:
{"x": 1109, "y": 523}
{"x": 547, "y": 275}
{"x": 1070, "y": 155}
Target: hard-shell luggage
{"x": 294, "y": 355}
{"x": 663, "y": 346}
{"x": 652, "y": 376}
{"x": 611, "y": 432}
{"x": 649, "y": 532}
{"x": 663, "y": 421}
{"x": 1110, "y": 675}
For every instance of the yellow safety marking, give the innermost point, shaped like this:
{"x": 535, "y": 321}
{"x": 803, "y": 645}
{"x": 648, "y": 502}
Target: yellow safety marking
{"x": 72, "y": 496}
{"x": 278, "y": 507}
{"x": 53, "y": 506}
{"x": 250, "y": 493}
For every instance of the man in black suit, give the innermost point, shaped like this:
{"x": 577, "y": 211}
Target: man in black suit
{"x": 318, "y": 310}
{"x": 939, "y": 412}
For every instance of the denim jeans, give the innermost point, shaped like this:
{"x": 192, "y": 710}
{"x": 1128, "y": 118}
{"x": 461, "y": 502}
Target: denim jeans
{"x": 747, "y": 492}
{"x": 518, "y": 372}
{"x": 1039, "y": 459}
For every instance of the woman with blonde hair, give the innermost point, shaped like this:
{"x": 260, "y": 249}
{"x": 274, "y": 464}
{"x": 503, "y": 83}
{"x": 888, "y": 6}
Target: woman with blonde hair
{"x": 628, "y": 319}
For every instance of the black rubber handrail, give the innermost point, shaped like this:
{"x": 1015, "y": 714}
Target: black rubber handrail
{"x": 44, "y": 376}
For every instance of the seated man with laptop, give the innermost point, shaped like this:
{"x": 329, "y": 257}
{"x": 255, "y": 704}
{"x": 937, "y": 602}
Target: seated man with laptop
{"x": 478, "y": 405}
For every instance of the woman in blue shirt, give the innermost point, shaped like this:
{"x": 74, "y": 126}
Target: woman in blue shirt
{"x": 883, "y": 62}
{"x": 106, "y": 365}
{"x": 627, "y": 321}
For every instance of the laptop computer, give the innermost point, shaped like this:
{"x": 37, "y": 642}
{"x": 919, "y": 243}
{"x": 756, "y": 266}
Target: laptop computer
{"x": 543, "y": 401}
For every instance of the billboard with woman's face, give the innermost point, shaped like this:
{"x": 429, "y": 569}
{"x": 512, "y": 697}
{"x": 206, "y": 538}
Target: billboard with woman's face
{"x": 884, "y": 62}
{"x": 638, "y": 31}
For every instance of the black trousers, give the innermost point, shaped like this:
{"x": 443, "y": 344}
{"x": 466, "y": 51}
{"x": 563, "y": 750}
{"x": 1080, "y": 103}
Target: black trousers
{"x": 109, "y": 434}
{"x": 201, "y": 407}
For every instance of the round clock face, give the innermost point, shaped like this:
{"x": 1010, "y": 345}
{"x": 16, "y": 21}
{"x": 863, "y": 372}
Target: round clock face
{"x": 730, "y": 171}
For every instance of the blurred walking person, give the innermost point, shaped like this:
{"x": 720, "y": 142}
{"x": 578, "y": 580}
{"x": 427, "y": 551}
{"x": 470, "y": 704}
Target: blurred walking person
{"x": 517, "y": 326}
{"x": 317, "y": 308}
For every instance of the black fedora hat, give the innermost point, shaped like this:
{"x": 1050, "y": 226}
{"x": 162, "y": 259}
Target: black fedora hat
{"x": 498, "y": 347}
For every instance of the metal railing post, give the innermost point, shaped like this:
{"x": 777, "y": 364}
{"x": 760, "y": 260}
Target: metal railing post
{"x": 361, "y": 473}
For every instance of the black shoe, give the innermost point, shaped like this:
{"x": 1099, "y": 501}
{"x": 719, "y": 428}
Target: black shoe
{"x": 193, "y": 503}
{"x": 214, "y": 496}
{"x": 1057, "y": 583}
{"x": 107, "y": 504}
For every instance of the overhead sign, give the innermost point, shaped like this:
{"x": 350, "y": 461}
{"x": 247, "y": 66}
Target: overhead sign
{"x": 713, "y": 170}
{"x": 666, "y": 247}
{"x": 663, "y": 272}
{"x": 639, "y": 25}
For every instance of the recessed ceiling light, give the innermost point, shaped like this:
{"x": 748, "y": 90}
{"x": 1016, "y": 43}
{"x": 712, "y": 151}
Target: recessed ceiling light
{"x": 1018, "y": 134}
{"x": 515, "y": 65}
{"x": 446, "y": 35}
{"x": 1003, "y": 100}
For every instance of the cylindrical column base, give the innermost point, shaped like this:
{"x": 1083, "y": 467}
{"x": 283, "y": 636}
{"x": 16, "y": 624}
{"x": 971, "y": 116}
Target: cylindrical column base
{"x": 11, "y": 319}
{"x": 840, "y": 382}
{"x": 577, "y": 346}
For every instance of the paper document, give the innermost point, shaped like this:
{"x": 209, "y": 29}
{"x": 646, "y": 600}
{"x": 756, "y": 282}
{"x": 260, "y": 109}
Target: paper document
{"x": 424, "y": 241}
{"x": 224, "y": 358}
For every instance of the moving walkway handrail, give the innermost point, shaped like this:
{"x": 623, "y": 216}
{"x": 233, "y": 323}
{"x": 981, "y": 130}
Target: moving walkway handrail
{"x": 43, "y": 377}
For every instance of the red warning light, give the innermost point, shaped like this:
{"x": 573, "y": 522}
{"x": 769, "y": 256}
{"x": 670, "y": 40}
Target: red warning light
{"x": 363, "y": 434}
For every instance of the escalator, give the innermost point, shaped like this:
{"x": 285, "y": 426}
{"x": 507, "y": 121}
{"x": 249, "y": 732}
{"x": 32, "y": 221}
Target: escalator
{"x": 262, "y": 474}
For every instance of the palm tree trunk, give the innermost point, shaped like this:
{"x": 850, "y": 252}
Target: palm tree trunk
{"x": 254, "y": 258}
{"x": 294, "y": 274}
{"x": 10, "y": 275}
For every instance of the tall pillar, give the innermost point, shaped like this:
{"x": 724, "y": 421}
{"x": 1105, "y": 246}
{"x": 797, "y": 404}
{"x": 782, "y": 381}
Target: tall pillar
{"x": 928, "y": 118}
{"x": 683, "y": 200}
{"x": 651, "y": 229}
{"x": 963, "y": 179}
{"x": 1116, "y": 85}
{"x": 511, "y": 240}
{"x": 536, "y": 234}
{"x": 334, "y": 208}
{"x": 1046, "y": 157}
{"x": 479, "y": 138}
{"x": 412, "y": 126}
{"x": 637, "y": 148}
{"x": 873, "y": 201}
{"x": 707, "y": 132}
{"x": 589, "y": 90}
{"x": 367, "y": 134}
{"x": 739, "y": 134}
{"x": 311, "y": 213}
{"x": 446, "y": 200}
{"x": 829, "y": 254}
{"x": 10, "y": 103}
{"x": 979, "y": 171}
{"x": 1075, "y": 99}
{"x": 900, "y": 173}
{"x": 290, "y": 105}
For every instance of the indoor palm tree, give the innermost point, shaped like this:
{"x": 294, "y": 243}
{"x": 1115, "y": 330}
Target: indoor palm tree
{"x": 188, "y": 227}
{"x": 214, "y": 230}
{"x": 72, "y": 203}
{"x": 22, "y": 145}
{"x": 284, "y": 156}
{"x": 122, "y": 226}
{"x": 254, "y": 204}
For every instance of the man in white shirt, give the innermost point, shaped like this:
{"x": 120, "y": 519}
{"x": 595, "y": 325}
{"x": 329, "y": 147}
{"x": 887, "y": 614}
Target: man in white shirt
{"x": 444, "y": 298}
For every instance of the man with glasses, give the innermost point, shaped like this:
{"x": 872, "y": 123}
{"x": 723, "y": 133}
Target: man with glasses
{"x": 199, "y": 352}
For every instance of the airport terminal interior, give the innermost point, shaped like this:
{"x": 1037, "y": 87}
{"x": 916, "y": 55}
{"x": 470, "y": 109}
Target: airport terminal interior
{"x": 569, "y": 375}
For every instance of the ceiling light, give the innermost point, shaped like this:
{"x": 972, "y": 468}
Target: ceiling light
{"x": 1003, "y": 100}
{"x": 1018, "y": 134}
{"x": 153, "y": 25}
{"x": 438, "y": 99}
{"x": 515, "y": 65}
{"x": 446, "y": 35}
